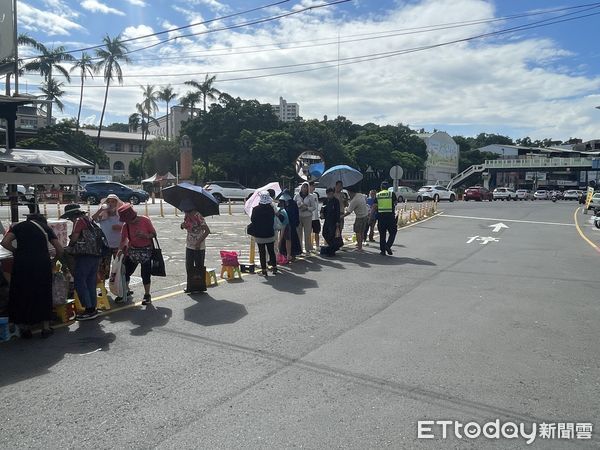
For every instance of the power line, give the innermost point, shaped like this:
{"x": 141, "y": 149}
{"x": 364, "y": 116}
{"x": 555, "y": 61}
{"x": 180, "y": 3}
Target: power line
{"x": 536, "y": 24}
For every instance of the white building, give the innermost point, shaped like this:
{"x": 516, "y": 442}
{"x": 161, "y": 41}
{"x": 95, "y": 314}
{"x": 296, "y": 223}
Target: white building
{"x": 442, "y": 157}
{"x": 287, "y": 112}
{"x": 177, "y": 116}
{"x": 121, "y": 148}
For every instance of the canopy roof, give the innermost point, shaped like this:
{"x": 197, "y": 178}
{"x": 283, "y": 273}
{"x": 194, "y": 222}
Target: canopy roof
{"x": 156, "y": 178}
{"x": 42, "y": 158}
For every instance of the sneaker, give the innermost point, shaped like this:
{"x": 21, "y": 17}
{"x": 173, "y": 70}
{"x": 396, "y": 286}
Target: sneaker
{"x": 389, "y": 250}
{"x": 119, "y": 300}
{"x": 274, "y": 270}
{"x": 87, "y": 315}
{"x": 147, "y": 299}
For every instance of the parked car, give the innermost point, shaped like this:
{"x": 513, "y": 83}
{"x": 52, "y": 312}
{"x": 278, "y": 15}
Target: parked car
{"x": 407, "y": 194}
{"x": 571, "y": 194}
{"x": 541, "y": 194}
{"x": 524, "y": 194}
{"x": 97, "y": 190}
{"x": 22, "y": 192}
{"x": 504, "y": 193}
{"x": 477, "y": 193}
{"x": 437, "y": 193}
{"x": 225, "y": 190}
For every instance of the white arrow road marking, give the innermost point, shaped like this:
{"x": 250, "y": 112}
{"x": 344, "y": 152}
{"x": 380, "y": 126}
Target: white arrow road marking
{"x": 482, "y": 240}
{"x": 497, "y": 227}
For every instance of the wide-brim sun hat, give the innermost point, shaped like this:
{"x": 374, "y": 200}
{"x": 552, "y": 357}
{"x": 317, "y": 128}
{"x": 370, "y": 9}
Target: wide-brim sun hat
{"x": 113, "y": 197}
{"x": 72, "y": 210}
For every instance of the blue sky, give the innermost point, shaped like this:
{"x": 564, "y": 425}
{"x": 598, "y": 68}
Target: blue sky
{"x": 543, "y": 82}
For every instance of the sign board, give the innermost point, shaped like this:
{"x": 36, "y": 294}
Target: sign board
{"x": 539, "y": 176}
{"x": 85, "y": 178}
{"x": 396, "y": 173}
{"x": 7, "y": 33}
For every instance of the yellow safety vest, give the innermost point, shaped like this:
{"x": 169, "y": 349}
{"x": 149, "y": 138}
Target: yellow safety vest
{"x": 384, "y": 202}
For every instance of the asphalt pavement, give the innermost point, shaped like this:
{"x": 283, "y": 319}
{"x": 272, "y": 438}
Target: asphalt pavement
{"x": 488, "y": 311}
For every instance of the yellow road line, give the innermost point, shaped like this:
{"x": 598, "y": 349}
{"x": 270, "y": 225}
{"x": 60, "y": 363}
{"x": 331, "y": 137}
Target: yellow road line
{"x": 420, "y": 221}
{"x": 581, "y": 233}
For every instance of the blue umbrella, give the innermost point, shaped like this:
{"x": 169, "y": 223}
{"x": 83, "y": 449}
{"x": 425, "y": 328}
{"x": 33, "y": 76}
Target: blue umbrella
{"x": 186, "y": 197}
{"x": 346, "y": 174}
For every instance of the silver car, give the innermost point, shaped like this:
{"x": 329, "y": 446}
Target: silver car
{"x": 407, "y": 194}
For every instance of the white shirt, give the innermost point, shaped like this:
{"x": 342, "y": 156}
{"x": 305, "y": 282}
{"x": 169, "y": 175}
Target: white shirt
{"x": 358, "y": 204}
{"x": 308, "y": 201}
{"x": 316, "y": 212}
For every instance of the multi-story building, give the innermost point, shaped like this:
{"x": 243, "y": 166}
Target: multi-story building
{"x": 121, "y": 148}
{"x": 287, "y": 112}
{"x": 29, "y": 119}
{"x": 442, "y": 157}
{"x": 177, "y": 116}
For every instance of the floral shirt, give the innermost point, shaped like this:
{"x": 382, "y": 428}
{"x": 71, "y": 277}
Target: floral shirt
{"x": 194, "y": 227}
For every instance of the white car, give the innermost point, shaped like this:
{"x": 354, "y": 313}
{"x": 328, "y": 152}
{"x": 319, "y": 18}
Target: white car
{"x": 595, "y": 202}
{"x": 407, "y": 194}
{"x": 571, "y": 194}
{"x": 23, "y": 192}
{"x": 436, "y": 193}
{"x": 524, "y": 194}
{"x": 541, "y": 194}
{"x": 504, "y": 193}
{"x": 228, "y": 190}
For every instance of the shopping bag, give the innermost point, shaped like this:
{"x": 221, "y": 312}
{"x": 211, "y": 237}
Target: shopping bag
{"x": 60, "y": 289}
{"x": 229, "y": 258}
{"x": 158, "y": 262}
{"x": 117, "y": 283}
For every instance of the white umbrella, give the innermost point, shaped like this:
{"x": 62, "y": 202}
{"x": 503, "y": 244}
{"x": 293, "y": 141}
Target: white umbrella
{"x": 255, "y": 198}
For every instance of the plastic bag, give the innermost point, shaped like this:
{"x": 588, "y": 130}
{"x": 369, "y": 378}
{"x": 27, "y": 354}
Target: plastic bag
{"x": 229, "y": 258}
{"x": 117, "y": 283}
{"x": 60, "y": 289}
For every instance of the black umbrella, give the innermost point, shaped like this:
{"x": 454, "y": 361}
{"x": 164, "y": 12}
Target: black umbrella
{"x": 186, "y": 196}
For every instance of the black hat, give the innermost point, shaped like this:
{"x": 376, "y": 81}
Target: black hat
{"x": 385, "y": 185}
{"x": 73, "y": 210}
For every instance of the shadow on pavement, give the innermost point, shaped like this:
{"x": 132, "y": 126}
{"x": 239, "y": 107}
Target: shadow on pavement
{"x": 146, "y": 318}
{"x": 24, "y": 359}
{"x": 289, "y": 282}
{"x": 209, "y": 311}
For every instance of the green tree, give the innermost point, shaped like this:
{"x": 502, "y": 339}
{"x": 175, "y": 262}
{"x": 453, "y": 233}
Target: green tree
{"x": 23, "y": 39}
{"x": 62, "y": 137}
{"x": 147, "y": 108}
{"x": 206, "y": 89}
{"x": 86, "y": 66}
{"x": 53, "y": 91}
{"x": 135, "y": 169}
{"x": 161, "y": 157}
{"x": 189, "y": 100}
{"x": 371, "y": 150}
{"x": 110, "y": 56}
{"x": 167, "y": 95}
{"x": 116, "y": 126}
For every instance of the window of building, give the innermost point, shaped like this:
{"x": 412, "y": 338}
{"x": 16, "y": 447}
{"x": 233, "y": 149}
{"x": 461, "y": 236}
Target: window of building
{"x": 118, "y": 165}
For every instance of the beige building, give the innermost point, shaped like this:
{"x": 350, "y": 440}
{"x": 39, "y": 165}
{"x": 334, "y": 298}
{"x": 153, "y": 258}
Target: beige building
{"x": 121, "y": 148}
{"x": 177, "y": 116}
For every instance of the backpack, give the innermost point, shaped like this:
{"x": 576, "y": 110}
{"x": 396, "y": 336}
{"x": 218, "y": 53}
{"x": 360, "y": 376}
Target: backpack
{"x": 92, "y": 241}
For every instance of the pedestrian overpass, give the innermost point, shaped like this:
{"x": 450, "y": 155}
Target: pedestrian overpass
{"x": 525, "y": 164}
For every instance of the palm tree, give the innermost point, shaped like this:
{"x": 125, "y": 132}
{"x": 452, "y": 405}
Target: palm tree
{"x": 25, "y": 40}
{"x": 189, "y": 100}
{"x": 110, "y": 56}
{"x": 52, "y": 90}
{"x": 135, "y": 121}
{"x": 50, "y": 60}
{"x": 206, "y": 89}
{"x": 86, "y": 66}
{"x": 148, "y": 106}
{"x": 167, "y": 95}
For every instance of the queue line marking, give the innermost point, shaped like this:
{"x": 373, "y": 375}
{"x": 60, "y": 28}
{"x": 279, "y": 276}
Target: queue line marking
{"x": 506, "y": 220}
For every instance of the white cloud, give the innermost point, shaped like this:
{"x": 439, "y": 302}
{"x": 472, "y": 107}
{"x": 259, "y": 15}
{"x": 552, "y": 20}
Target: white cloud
{"x": 96, "y": 6}
{"x": 214, "y": 5}
{"x": 137, "y": 2}
{"x": 520, "y": 85}
{"x": 36, "y": 20}
{"x": 139, "y": 31}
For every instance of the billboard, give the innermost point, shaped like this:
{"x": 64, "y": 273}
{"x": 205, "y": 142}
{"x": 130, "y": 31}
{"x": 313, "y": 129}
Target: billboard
{"x": 7, "y": 35}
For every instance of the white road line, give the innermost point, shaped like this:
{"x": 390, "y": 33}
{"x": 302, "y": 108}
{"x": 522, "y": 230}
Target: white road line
{"x": 507, "y": 220}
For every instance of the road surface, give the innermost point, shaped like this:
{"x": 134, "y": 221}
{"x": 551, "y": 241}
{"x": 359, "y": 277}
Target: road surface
{"x": 468, "y": 321}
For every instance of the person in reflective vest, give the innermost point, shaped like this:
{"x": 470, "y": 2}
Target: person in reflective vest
{"x": 386, "y": 215}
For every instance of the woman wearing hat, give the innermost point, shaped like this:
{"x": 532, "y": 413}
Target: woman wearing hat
{"x": 108, "y": 220}
{"x": 262, "y": 220}
{"x": 195, "y": 247}
{"x": 85, "y": 274}
{"x": 30, "y": 293}
{"x": 136, "y": 243}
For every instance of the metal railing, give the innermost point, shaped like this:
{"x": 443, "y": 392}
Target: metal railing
{"x": 535, "y": 163}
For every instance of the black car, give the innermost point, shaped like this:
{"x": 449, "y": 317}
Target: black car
{"x": 96, "y": 191}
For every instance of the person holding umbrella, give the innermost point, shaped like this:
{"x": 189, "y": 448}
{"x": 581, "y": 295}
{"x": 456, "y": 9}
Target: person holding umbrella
{"x": 261, "y": 225}
{"x": 195, "y": 247}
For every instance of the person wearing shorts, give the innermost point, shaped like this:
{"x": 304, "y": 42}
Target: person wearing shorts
{"x": 316, "y": 221}
{"x": 358, "y": 206}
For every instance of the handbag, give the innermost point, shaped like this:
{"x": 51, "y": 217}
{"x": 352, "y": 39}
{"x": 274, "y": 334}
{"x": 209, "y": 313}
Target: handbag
{"x": 251, "y": 229}
{"x": 158, "y": 262}
{"x": 92, "y": 241}
{"x": 117, "y": 283}
{"x": 229, "y": 258}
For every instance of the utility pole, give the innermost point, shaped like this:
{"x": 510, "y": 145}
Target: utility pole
{"x": 16, "y": 47}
